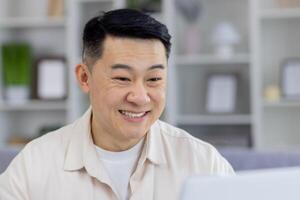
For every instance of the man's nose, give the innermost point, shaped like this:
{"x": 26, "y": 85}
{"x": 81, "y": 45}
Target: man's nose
{"x": 138, "y": 95}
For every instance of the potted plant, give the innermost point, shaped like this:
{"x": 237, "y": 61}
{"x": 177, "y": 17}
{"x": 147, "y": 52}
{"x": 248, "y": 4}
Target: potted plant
{"x": 16, "y": 62}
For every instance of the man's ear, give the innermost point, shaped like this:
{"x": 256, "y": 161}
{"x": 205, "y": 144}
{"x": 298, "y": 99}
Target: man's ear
{"x": 83, "y": 75}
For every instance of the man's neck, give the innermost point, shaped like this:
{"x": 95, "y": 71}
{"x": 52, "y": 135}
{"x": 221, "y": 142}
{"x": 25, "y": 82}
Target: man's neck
{"x": 105, "y": 140}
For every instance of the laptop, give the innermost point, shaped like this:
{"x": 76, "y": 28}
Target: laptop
{"x": 271, "y": 184}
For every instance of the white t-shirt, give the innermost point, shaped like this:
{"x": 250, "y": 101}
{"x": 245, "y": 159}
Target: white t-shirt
{"x": 120, "y": 166}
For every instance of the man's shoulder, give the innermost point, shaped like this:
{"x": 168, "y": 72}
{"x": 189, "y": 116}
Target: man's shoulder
{"x": 51, "y": 145}
{"x": 181, "y": 136}
{"x": 57, "y": 137}
{"x": 187, "y": 149}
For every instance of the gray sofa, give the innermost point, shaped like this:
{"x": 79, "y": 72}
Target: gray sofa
{"x": 6, "y": 155}
{"x": 245, "y": 159}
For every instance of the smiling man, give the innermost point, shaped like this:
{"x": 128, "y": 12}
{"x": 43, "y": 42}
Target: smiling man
{"x": 127, "y": 90}
{"x": 118, "y": 149}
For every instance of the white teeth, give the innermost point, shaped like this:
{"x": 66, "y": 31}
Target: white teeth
{"x": 132, "y": 115}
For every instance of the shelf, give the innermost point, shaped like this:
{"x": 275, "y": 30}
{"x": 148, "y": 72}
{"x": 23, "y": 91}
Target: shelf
{"x": 285, "y": 13}
{"x": 283, "y": 104}
{"x": 35, "y": 105}
{"x": 211, "y": 59}
{"x": 31, "y": 22}
{"x": 234, "y": 119}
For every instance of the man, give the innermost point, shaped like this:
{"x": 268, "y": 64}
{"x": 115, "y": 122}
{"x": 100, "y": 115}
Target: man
{"x": 118, "y": 149}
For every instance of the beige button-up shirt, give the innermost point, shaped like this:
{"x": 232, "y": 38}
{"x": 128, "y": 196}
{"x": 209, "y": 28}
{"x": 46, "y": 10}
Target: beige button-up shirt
{"x": 64, "y": 165}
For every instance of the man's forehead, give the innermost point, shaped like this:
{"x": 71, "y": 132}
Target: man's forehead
{"x": 133, "y": 52}
{"x": 120, "y": 44}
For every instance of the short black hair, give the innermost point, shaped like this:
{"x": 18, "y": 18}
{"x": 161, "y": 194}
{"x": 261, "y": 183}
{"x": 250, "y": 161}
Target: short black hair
{"x": 128, "y": 23}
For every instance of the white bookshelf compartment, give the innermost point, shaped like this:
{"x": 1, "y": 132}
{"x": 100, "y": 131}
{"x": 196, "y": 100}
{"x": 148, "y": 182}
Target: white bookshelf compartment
{"x": 192, "y": 88}
{"x": 44, "y": 42}
{"x": 213, "y": 13}
{"x": 278, "y": 44}
{"x": 24, "y": 8}
{"x": 276, "y": 39}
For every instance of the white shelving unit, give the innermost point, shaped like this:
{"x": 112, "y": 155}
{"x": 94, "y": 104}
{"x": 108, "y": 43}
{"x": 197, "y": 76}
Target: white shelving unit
{"x": 48, "y": 36}
{"x": 275, "y": 29}
{"x": 269, "y": 34}
{"x": 190, "y": 72}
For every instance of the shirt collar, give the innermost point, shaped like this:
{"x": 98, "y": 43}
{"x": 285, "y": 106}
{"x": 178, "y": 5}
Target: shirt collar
{"x": 154, "y": 149}
{"x": 81, "y": 152}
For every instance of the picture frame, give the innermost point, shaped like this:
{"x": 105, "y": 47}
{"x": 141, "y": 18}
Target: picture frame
{"x": 290, "y": 78}
{"x": 50, "y": 79}
{"x": 221, "y": 94}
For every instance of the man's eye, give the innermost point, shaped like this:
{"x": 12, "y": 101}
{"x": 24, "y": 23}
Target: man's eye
{"x": 122, "y": 79}
{"x": 155, "y": 79}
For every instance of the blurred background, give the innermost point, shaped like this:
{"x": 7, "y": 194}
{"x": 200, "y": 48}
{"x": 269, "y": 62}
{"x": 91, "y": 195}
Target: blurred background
{"x": 234, "y": 71}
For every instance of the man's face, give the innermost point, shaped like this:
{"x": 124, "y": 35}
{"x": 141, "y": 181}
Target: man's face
{"x": 127, "y": 88}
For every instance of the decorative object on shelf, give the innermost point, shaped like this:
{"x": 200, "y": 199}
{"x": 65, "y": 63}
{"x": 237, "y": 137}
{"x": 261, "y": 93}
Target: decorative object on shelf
{"x": 272, "y": 93}
{"x": 150, "y": 6}
{"x": 225, "y": 36}
{"x": 19, "y": 141}
{"x": 221, "y": 93}
{"x": 290, "y": 78}
{"x": 56, "y": 8}
{"x": 50, "y": 78}
{"x": 288, "y": 3}
{"x": 191, "y": 11}
{"x": 16, "y": 62}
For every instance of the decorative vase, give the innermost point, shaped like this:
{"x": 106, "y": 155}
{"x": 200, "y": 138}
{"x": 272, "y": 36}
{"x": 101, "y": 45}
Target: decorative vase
{"x": 191, "y": 44}
{"x": 17, "y": 95}
{"x": 224, "y": 38}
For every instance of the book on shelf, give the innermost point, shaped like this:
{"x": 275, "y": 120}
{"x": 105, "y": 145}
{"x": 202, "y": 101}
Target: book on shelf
{"x": 55, "y": 8}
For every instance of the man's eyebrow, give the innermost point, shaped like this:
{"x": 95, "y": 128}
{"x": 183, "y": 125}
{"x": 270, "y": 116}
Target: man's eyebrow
{"x": 121, "y": 66}
{"x": 159, "y": 66}
{"x": 127, "y": 67}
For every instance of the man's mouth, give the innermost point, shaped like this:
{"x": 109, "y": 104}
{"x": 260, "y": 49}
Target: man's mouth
{"x": 133, "y": 114}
